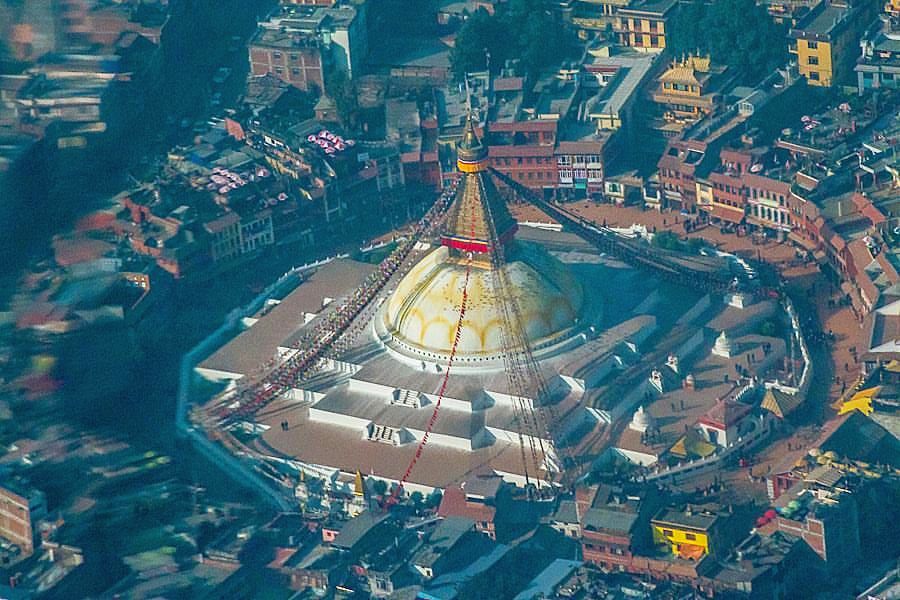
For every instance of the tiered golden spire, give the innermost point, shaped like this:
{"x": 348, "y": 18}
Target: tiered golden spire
{"x": 468, "y": 227}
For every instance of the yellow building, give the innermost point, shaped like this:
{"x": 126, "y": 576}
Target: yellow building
{"x": 642, "y": 25}
{"x": 686, "y": 534}
{"x": 687, "y": 91}
{"x": 826, "y": 41}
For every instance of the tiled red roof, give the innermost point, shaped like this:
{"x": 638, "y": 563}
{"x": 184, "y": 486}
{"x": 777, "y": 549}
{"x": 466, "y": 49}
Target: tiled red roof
{"x": 724, "y": 414}
{"x": 453, "y": 504}
{"x": 281, "y": 556}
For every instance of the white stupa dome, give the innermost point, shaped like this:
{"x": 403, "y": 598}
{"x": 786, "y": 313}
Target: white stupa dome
{"x": 421, "y": 315}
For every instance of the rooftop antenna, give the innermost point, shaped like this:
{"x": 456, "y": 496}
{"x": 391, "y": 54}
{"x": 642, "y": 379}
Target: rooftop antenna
{"x": 490, "y": 86}
{"x": 469, "y": 113}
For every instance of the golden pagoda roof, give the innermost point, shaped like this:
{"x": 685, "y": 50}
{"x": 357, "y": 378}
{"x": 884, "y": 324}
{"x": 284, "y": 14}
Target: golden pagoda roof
{"x": 780, "y": 403}
{"x": 861, "y": 401}
{"x": 692, "y": 445}
{"x": 468, "y": 227}
{"x": 690, "y": 70}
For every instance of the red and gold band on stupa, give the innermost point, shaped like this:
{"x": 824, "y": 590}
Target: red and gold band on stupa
{"x": 475, "y": 194}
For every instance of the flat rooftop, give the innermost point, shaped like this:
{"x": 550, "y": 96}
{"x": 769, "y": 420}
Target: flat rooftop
{"x": 684, "y": 518}
{"x": 343, "y": 448}
{"x": 272, "y": 329}
{"x": 822, "y": 21}
{"x": 632, "y": 69}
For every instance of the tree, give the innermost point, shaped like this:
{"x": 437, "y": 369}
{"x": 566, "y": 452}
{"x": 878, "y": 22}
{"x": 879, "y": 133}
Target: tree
{"x": 666, "y": 240}
{"x": 433, "y": 500}
{"x": 379, "y": 487}
{"x": 523, "y": 29}
{"x": 480, "y": 34}
{"x": 343, "y": 91}
{"x": 736, "y": 33}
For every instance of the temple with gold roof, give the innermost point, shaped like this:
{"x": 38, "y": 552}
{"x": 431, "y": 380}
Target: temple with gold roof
{"x": 689, "y": 90}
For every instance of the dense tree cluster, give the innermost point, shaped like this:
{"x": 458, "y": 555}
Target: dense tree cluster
{"x": 737, "y": 33}
{"x": 522, "y": 29}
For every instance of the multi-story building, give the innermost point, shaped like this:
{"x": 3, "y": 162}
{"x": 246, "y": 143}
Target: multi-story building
{"x": 747, "y": 188}
{"x": 292, "y": 57}
{"x": 688, "y": 533}
{"x": 524, "y": 150}
{"x": 879, "y": 64}
{"x": 770, "y": 567}
{"x": 475, "y": 499}
{"x": 642, "y": 25}
{"x": 823, "y": 511}
{"x": 825, "y": 40}
{"x": 613, "y": 524}
{"x": 21, "y": 507}
{"x": 618, "y": 78}
{"x": 340, "y": 30}
{"x": 687, "y": 91}
{"x": 678, "y": 168}
{"x": 580, "y": 165}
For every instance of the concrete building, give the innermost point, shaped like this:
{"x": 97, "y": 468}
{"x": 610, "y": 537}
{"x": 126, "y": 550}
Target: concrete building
{"x": 614, "y": 524}
{"x": 825, "y": 40}
{"x": 21, "y": 507}
{"x": 879, "y": 64}
{"x": 292, "y": 57}
{"x": 618, "y": 78}
{"x": 339, "y": 31}
{"x": 642, "y": 24}
{"x": 825, "y": 514}
{"x": 690, "y": 533}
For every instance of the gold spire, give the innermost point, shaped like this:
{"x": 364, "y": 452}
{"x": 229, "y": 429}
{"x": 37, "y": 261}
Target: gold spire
{"x": 471, "y": 155}
{"x": 359, "y": 488}
{"x": 468, "y": 227}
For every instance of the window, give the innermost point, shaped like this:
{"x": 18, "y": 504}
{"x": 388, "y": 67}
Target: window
{"x": 295, "y": 56}
{"x": 668, "y": 532}
{"x": 690, "y": 536}
{"x": 814, "y": 75}
{"x": 295, "y": 71}
{"x": 812, "y": 45}
{"x": 276, "y": 55}
{"x": 812, "y": 60}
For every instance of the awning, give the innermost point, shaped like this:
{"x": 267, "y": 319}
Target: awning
{"x": 690, "y": 551}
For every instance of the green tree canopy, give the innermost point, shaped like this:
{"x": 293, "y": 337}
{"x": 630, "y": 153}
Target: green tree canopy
{"x": 380, "y": 487}
{"x": 736, "y": 33}
{"x": 523, "y": 29}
